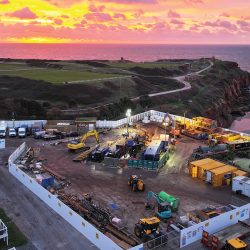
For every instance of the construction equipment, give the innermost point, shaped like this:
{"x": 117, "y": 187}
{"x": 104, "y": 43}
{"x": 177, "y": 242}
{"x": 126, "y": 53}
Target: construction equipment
{"x": 163, "y": 207}
{"x": 171, "y": 126}
{"x": 98, "y": 154}
{"x": 79, "y": 144}
{"x": 147, "y": 229}
{"x": 236, "y": 244}
{"x": 136, "y": 183}
{"x": 234, "y": 237}
{"x": 164, "y": 197}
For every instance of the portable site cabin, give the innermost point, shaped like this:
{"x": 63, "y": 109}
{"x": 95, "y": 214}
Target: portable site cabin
{"x": 152, "y": 152}
{"x": 193, "y": 166}
{"x": 241, "y": 184}
{"x": 220, "y": 176}
{"x": 207, "y": 167}
{"x": 239, "y": 173}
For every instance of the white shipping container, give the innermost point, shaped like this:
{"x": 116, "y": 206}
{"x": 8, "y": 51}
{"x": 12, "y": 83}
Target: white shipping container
{"x": 241, "y": 184}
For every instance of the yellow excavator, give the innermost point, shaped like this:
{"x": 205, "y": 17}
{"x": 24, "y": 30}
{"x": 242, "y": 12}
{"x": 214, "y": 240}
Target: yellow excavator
{"x": 79, "y": 144}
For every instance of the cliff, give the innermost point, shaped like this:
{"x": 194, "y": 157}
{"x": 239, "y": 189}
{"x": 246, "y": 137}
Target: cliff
{"x": 218, "y": 93}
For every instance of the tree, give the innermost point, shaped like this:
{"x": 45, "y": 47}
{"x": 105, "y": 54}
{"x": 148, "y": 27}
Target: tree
{"x": 145, "y": 101}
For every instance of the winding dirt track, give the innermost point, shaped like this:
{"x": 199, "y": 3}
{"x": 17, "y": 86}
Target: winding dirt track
{"x": 181, "y": 79}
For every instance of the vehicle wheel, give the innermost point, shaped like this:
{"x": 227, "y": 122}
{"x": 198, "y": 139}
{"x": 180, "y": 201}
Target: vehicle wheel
{"x": 143, "y": 187}
{"x": 138, "y": 230}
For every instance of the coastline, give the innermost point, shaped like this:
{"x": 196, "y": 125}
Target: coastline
{"x": 242, "y": 124}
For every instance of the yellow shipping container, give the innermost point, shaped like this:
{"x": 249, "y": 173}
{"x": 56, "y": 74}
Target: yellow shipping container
{"x": 220, "y": 176}
{"x": 209, "y": 166}
{"x": 239, "y": 173}
{"x": 193, "y": 166}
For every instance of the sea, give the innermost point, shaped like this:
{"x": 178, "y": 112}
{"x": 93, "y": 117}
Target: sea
{"x": 139, "y": 53}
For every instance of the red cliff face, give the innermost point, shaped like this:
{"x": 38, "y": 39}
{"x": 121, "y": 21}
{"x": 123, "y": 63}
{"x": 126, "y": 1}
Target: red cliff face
{"x": 231, "y": 100}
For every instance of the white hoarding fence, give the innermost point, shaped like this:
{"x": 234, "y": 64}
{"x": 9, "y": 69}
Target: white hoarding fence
{"x": 80, "y": 224}
{"x": 2, "y": 143}
{"x": 19, "y": 123}
{"x": 194, "y": 233}
{"x": 4, "y": 232}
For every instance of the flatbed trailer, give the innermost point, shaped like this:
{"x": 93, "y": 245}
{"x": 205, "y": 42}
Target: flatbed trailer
{"x": 220, "y": 239}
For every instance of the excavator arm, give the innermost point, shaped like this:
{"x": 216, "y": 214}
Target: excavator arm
{"x": 88, "y": 134}
{"x": 163, "y": 211}
{"x": 80, "y": 144}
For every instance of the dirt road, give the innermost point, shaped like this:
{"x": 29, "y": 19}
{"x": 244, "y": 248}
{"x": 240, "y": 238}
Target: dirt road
{"x": 181, "y": 79}
{"x": 42, "y": 226}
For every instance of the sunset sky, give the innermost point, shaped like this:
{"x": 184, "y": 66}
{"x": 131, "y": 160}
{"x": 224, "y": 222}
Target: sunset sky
{"x": 125, "y": 21}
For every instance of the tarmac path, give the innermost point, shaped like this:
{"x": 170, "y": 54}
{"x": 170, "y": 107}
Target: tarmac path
{"x": 44, "y": 228}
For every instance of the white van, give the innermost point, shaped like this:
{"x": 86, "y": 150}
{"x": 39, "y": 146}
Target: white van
{"x": 2, "y": 131}
{"x": 22, "y": 132}
{"x": 12, "y": 132}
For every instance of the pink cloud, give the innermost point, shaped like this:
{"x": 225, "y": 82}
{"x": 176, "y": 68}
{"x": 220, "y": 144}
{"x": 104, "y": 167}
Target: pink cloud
{"x": 94, "y": 8}
{"x": 225, "y": 14}
{"x": 58, "y": 21}
{"x": 132, "y": 1}
{"x": 175, "y": 21}
{"x": 82, "y": 24}
{"x": 4, "y": 1}
{"x": 244, "y": 25}
{"x": 24, "y": 13}
{"x": 222, "y": 24}
{"x": 138, "y": 13}
{"x": 119, "y": 16}
{"x": 193, "y": 1}
{"x": 98, "y": 17}
{"x": 173, "y": 14}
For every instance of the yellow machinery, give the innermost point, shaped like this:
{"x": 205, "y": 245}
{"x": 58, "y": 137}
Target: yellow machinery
{"x": 234, "y": 237}
{"x": 79, "y": 144}
{"x": 136, "y": 183}
{"x": 236, "y": 244}
{"x": 204, "y": 122}
{"x": 147, "y": 228}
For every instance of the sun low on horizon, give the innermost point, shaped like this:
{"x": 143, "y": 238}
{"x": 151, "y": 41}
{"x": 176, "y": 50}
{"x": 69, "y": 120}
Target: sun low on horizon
{"x": 125, "y": 21}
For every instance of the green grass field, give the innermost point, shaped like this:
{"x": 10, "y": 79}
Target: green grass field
{"x": 13, "y": 66}
{"x": 16, "y": 238}
{"x": 57, "y": 76}
{"x": 146, "y": 65}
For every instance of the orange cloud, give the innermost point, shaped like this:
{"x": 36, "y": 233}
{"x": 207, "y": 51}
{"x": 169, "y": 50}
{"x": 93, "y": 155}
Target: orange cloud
{"x": 121, "y": 21}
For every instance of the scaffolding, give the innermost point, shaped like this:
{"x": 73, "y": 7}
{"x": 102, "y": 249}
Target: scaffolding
{"x": 4, "y": 232}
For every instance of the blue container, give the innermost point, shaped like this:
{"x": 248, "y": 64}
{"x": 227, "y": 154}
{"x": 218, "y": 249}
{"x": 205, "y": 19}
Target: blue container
{"x": 130, "y": 143}
{"x": 48, "y": 182}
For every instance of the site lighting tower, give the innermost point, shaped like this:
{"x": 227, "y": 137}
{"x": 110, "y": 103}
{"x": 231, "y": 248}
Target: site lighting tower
{"x": 165, "y": 124}
{"x": 128, "y": 114}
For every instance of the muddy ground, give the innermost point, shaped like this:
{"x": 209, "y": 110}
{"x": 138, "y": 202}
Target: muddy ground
{"x": 109, "y": 188}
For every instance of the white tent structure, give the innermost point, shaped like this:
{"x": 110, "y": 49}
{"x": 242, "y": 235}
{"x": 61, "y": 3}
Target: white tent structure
{"x": 4, "y": 232}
